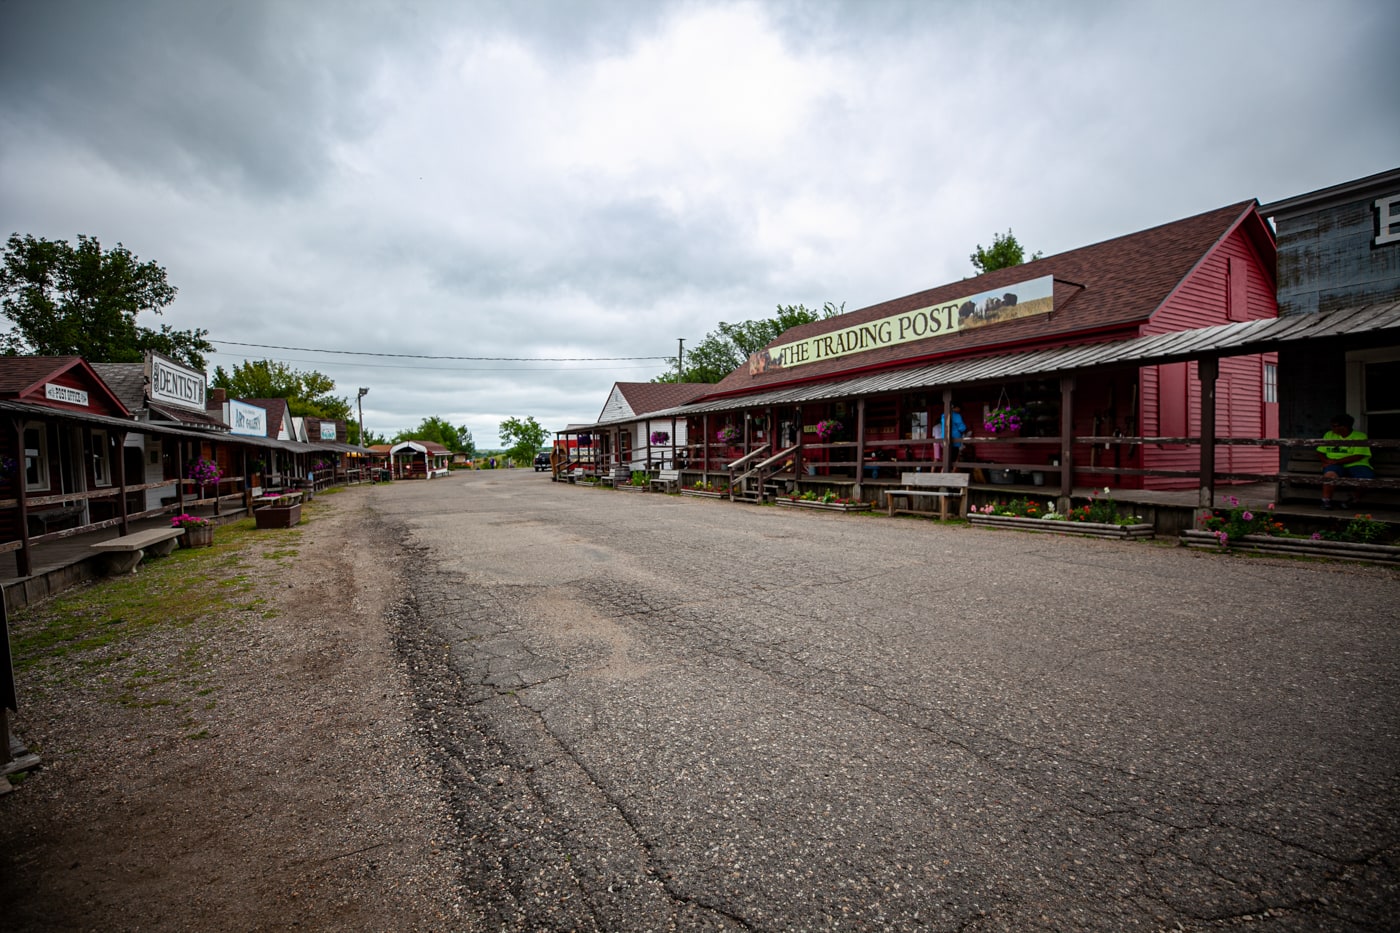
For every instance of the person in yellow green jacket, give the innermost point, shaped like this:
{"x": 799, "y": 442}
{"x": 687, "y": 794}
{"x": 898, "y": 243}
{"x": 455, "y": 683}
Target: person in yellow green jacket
{"x": 1352, "y": 461}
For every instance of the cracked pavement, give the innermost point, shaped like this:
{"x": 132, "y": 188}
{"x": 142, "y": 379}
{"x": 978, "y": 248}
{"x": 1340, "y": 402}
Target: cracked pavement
{"x": 655, "y": 712}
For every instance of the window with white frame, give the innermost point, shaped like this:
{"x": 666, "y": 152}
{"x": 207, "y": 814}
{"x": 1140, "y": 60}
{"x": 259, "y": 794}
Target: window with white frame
{"x": 1270, "y": 382}
{"x": 36, "y": 457}
{"x": 101, "y": 472}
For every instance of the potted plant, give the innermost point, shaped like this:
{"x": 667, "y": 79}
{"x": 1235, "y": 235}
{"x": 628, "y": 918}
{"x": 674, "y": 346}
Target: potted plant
{"x": 277, "y": 515}
{"x": 199, "y": 531}
{"x": 659, "y": 437}
{"x": 1099, "y": 518}
{"x": 728, "y": 434}
{"x": 827, "y": 430}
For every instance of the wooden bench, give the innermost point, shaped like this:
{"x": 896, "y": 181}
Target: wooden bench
{"x": 937, "y": 486}
{"x": 123, "y": 554}
{"x": 668, "y": 480}
{"x": 1302, "y": 478}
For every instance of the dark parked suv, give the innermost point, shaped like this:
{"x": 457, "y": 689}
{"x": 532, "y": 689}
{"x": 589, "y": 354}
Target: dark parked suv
{"x": 541, "y": 461}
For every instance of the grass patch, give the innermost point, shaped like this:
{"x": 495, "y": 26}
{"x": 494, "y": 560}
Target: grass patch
{"x": 95, "y": 639}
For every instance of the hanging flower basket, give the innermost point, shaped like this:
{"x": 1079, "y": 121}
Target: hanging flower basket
{"x": 659, "y": 437}
{"x": 205, "y": 472}
{"x": 1002, "y": 421}
{"x": 826, "y": 430}
{"x": 728, "y": 434}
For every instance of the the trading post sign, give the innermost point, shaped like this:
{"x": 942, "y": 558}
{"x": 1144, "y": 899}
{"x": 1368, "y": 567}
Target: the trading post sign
{"x": 1036, "y": 296}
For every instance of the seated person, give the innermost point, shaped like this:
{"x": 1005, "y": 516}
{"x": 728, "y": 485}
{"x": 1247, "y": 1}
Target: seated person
{"x": 1352, "y": 461}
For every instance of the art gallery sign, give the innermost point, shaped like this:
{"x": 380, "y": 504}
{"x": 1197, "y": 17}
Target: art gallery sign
{"x": 245, "y": 419}
{"x": 172, "y": 384}
{"x": 1036, "y": 296}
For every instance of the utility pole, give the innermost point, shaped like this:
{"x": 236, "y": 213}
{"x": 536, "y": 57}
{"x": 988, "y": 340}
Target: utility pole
{"x": 359, "y": 401}
{"x": 680, "y": 360}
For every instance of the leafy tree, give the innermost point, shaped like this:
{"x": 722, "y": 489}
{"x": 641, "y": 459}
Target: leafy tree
{"x": 729, "y": 346}
{"x": 1004, "y": 252}
{"x": 439, "y": 430}
{"x": 65, "y": 299}
{"x": 370, "y": 438}
{"x": 523, "y": 439}
{"x": 307, "y": 394}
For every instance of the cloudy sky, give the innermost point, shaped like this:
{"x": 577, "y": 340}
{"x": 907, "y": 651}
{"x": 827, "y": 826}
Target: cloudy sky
{"x": 497, "y": 209}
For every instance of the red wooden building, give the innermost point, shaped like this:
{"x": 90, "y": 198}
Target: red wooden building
{"x": 885, "y": 373}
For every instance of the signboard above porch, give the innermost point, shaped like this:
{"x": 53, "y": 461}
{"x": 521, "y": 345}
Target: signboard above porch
{"x": 172, "y": 384}
{"x": 1023, "y": 299}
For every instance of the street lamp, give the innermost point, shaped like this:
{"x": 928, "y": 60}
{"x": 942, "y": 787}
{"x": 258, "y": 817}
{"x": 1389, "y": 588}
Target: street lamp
{"x": 359, "y": 403}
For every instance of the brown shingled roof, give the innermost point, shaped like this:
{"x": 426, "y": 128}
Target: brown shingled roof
{"x": 1109, "y": 288}
{"x": 656, "y": 396}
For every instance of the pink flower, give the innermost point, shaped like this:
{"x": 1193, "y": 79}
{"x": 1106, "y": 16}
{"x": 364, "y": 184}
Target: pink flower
{"x": 1317, "y": 536}
{"x": 1248, "y": 516}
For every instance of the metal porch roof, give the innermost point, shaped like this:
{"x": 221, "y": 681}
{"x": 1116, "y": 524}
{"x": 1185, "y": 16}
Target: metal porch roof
{"x": 1237, "y": 339}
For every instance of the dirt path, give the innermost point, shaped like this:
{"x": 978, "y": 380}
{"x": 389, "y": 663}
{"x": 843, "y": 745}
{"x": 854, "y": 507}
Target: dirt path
{"x": 255, "y": 770}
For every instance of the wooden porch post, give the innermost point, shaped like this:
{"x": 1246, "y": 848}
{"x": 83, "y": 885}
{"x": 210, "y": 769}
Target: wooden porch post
{"x": 121, "y": 480}
{"x": 705, "y": 448}
{"x": 180, "y": 476}
{"x": 1207, "y": 370}
{"x": 945, "y": 421}
{"x": 797, "y": 454}
{"x": 23, "y": 563}
{"x": 860, "y": 447}
{"x": 1066, "y": 443}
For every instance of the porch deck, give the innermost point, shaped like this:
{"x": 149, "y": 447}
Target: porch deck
{"x": 62, "y": 563}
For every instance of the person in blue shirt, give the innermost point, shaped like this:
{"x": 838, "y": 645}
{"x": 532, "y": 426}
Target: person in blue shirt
{"x": 959, "y": 430}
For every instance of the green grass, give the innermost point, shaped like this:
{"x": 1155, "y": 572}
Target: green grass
{"x": 88, "y": 638}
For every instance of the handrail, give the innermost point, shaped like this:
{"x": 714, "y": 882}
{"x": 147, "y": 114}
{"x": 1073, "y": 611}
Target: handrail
{"x": 757, "y": 468}
{"x": 748, "y": 456}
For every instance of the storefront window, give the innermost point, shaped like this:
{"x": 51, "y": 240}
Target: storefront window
{"x": 36, "y": 458}
{"x": 100, "y": 473}
{"x": 918, "y": 425}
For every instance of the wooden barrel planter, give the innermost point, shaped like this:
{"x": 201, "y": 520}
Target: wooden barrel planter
{"x": 198, "y": 536}
{"x": 1296, "y": 547}
{"x": 1063, "y": 527}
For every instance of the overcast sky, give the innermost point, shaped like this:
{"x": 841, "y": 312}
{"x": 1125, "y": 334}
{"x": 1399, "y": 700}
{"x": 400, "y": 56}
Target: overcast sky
{"x": 588, "y": 180}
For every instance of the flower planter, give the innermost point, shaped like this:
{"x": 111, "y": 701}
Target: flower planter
{"x": 1063, "y": 527}
{"x": 828, "y": 506}
{"x": 197, "y": 536}
{"x": 1296, "y": 547}
{"x": 277, "y": 516}
{"x": 705, "y": 493}
{"x": 628, "y": 487}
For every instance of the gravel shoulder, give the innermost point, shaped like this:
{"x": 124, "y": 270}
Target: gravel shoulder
{"x": 255, "y": 770}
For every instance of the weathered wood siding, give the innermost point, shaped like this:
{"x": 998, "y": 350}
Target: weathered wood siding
{"x": 1326, "y": 259}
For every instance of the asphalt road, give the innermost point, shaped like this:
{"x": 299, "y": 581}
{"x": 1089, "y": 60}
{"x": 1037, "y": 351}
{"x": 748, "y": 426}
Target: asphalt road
{"x": 656, "y": 712}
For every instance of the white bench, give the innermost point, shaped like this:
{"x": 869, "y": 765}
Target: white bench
{"x": 124, "y": 553}
{"x": 939, "y": 486}
{"x": 668, "y": 480}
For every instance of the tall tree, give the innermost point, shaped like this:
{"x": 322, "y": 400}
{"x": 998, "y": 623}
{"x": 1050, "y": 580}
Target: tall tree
{"x": 307, "y": 394}
{"x": 1005, "y": 251}
{"x": 440, "y": 430}
{"x": 729, "y": 346}
{"x": 523, "y": 438}
{"x": 65, "y": 299}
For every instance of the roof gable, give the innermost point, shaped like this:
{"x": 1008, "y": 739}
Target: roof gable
{"x": 279, "y": 416}
{"x": 59, "y": 382}
{"x": 1106, "y": 289}
{"x": 635, "y": 399}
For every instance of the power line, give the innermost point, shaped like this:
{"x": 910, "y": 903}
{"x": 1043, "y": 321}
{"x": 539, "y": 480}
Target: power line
{"x": 450, "y": 369}
{"x": 420, "y": 356}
